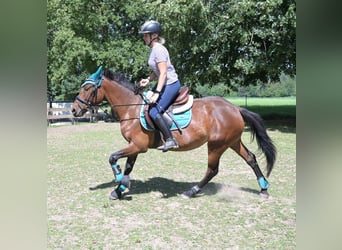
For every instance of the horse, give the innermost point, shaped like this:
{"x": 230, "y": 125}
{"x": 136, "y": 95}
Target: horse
{"x": 214, "y": 121}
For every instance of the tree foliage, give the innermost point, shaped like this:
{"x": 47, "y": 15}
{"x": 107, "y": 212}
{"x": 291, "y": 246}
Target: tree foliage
{"x": 225, "y": 43}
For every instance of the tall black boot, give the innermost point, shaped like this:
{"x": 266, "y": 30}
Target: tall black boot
{"x": 170, "y": 142}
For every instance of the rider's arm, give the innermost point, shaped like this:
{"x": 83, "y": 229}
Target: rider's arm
{"x": 162, "y": 66}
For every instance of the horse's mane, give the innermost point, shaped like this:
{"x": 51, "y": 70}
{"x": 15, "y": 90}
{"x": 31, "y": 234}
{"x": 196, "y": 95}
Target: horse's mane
{"x": 119, "y": 78}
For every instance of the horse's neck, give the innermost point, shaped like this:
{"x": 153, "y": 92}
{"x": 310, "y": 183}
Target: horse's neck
{"x": 122, "y": 100}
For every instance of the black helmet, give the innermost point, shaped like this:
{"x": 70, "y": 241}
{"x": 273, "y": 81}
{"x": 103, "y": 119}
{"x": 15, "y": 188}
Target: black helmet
{"x": 150, "y": 27}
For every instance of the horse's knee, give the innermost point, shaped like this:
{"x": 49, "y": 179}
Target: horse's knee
{"x": 114, "y": 158}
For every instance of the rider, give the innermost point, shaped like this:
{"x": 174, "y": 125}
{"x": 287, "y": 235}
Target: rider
{"x": 168, "y": 85}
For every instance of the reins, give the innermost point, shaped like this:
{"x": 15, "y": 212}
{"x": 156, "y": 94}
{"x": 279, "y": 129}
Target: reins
{"x": 137, "y": 91}
{"x": 90, "y": 105}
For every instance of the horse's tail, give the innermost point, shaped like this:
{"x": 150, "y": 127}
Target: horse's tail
{"x": 265, "y": 143}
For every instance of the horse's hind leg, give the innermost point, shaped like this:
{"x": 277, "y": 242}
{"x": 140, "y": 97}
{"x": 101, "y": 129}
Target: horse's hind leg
{"x": 214, "y": 155}
{"x": 249, "y": 157}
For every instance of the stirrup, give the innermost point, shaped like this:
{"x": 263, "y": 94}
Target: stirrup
{"x": 169, "y": 144}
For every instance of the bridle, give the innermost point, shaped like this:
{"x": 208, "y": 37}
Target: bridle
{"x": 92, "y": 95}
{"x": 96, "y": 86}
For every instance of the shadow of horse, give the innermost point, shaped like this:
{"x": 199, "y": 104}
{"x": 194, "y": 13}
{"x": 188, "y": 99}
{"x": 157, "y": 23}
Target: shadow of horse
{"x": 167, "y": 187}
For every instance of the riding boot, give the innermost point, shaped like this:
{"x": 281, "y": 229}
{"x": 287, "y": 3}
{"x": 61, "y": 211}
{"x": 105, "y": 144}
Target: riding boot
{"x": 170, "y": 142}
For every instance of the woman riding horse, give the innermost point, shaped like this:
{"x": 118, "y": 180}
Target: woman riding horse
{"x": 215, "y": 121}
{"x": 168, "y": 85}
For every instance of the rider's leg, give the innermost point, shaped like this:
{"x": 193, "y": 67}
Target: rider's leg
{"x": 167, "y": 96}
{"x": 170, "y": 142}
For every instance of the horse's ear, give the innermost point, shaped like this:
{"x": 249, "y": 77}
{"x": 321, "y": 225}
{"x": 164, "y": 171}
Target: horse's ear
{"x": 95, "y": 76}
{"x": 99, "y": 70}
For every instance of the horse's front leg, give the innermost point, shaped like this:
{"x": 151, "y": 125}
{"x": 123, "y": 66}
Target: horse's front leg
{"x": 131, "y": 152}
{"x": 124, "y": 180}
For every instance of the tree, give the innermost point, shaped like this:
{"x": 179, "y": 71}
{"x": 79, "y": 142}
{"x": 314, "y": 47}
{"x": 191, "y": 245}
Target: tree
{"x": 239, "y": 40}
{"x": 83, "y": 34}
{"x": 234, "y": 42}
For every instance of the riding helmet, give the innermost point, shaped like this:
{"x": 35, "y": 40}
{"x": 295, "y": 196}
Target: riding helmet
{"x": 150, "y": 27}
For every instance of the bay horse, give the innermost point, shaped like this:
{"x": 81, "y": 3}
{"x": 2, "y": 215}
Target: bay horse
{"x": 215, "y": 121}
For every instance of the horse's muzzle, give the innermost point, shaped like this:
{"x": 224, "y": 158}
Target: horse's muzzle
{"x": 73, "y": 111}
{"x": 77, "y": 111}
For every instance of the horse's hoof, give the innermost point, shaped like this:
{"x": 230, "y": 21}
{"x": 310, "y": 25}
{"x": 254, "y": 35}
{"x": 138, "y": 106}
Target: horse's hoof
{"x": 115, "y": 195}
{"x": 188, "y": 194}
{"x": 191, "y": 193}
{"x": 264, "y": 193}
{"x": 185, "y": 195}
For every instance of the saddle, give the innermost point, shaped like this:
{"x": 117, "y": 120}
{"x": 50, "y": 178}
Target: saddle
{"x": 179, "y": 109}
{"x": 183, "y": 96}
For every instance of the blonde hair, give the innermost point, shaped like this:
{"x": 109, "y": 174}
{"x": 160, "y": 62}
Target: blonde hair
{"x": 161, "y": 40}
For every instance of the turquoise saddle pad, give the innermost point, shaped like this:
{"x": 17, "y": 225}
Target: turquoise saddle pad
{"x": 183, "y": 119}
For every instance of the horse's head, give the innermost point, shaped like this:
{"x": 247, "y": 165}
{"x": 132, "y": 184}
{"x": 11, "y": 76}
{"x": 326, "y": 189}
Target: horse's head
{"x": 89, "y": 95}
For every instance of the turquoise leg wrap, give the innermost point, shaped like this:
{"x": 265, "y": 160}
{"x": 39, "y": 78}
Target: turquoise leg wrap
{"x": 122, "y": 187}
{"x": 117, "y": 172}
{"x": 263, "y": 183}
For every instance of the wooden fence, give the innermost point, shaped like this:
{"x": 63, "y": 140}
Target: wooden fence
{"x": 55, "y": 114}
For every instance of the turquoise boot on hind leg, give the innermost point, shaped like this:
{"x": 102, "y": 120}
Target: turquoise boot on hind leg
{"x": 263, "y": 183}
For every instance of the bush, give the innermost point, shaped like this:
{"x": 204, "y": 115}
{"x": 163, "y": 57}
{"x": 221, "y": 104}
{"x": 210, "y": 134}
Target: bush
{"x": 289, "y": 84}
{"x": 285, "y": 87}
{"x": 219, "y": 89}
{"x": 203, "y": 90}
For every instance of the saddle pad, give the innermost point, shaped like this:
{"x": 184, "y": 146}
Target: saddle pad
{"x": 183, "y": 119}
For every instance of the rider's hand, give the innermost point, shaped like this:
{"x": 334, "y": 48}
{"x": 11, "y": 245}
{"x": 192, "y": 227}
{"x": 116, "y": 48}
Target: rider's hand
{"x": 154, "y": 98}
{"x": 144, "y": 82}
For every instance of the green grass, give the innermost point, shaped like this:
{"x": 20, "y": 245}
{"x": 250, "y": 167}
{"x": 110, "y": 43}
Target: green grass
{"x": 228, "y": 214}
{"x": 266, "y": 101}
{"x": 270, "y": 108}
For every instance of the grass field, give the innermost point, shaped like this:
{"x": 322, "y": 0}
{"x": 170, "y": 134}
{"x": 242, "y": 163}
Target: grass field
{"x": 270, "y": 108}
{"x": 229, "y": 214}
{"x": 267, "y": 101}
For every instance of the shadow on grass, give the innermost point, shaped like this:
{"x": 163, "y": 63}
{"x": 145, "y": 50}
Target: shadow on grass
{"x": 282, "y": 118}
{"x": 284, "y": 125}
{"x": 167, "y": 187}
